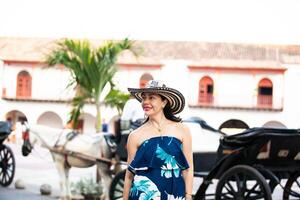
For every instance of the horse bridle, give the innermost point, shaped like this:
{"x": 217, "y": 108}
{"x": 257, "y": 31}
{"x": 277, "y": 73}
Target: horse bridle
{"x": 26, "y": 147}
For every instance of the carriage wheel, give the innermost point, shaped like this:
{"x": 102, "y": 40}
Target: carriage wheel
{"x": 242, "y": 183}
{"x": 292, "y": 187}
{"x": 116, "y": 187}
{"x": 7, "y": 165}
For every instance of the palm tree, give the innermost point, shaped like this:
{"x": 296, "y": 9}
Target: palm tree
{"x": 91, "y": 69}
{"x": 116, "y": 99}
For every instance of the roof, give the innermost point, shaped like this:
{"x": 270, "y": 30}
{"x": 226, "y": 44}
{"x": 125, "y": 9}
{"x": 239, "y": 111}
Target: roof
{"x": 155, "y": 52}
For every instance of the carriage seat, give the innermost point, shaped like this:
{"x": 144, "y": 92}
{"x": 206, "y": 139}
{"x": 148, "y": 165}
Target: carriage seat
{"x": 5, "y": 128}
{"x": 264, "y": 146}
{"x": 250, "y": 135}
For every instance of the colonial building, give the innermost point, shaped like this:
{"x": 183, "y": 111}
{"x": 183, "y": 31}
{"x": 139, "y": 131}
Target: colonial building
{"x": 228, "y": 85}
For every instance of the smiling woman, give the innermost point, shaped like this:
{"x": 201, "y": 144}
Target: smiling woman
{"x": 160, "y": 151}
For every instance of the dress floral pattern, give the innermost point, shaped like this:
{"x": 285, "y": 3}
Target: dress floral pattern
{"x": 157, "y": 168}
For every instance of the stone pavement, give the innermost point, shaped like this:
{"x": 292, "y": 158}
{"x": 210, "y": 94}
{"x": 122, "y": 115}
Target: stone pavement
{"x": 13, "y": 194}
{"x": 35, "y": 170}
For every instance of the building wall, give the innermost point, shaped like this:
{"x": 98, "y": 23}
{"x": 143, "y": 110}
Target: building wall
{"x": 235, "y": 88}
{"x": 47, "y": 83}
{"x": 130, "y": 76}
{"x": 232, "y": 89}
{"x": 291, "y": 106}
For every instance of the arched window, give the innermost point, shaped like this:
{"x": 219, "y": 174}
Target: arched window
{"x": 144, "y": 79}
{"x": 206, "y": 90}
{"x": 23, "y": 84}
{"x": 265, "y": 93}
{"x": 50, "y": 119}
{"x": 233, "y": 126}
{"x": 274, "y": 124}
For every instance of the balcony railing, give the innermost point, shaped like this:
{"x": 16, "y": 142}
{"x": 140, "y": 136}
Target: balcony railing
{"x": 243, "y": 102}
{"x": 265, "y": 101}
{"x": 206, "y": 99}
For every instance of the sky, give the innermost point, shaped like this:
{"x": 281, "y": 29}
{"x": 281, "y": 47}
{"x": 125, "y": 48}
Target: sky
{"x": 239, "y": 21}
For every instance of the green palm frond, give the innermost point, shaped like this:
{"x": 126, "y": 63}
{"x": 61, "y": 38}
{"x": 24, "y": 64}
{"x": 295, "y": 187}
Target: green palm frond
{"x": 91, "y": 68}
{"x": 77, "y": 106}
{"x": 116, "y": 99}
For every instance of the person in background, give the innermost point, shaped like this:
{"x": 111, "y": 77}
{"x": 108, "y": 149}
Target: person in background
{"x": 160, "y": 159}
{"x": 104, "y": 126}
{"x": 132, "y": 114}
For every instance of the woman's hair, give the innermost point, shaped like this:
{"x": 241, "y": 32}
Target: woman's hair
{"x": 167, "y": 112}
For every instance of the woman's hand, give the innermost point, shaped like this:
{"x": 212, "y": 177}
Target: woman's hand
{"x": 188, "y": 196}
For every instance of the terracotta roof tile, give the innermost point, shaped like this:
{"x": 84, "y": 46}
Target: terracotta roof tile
{"x": 33, "y": 49}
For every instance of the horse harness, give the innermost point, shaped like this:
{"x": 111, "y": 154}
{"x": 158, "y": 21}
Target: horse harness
{"x": 61, "y": 148}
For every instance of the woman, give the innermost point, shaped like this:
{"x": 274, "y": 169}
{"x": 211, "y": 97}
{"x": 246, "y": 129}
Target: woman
{"x": 160, "y": 151}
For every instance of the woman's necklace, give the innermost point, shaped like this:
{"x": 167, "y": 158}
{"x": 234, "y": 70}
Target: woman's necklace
{"x": 158, "y": 127}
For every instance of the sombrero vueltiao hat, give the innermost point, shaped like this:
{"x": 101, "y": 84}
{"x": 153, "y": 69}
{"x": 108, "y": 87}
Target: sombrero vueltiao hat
{"x": 175, "y": 98}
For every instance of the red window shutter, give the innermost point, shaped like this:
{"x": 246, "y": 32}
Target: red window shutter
{"x": 23, "y": 85}
{"x": 206, "y": 87}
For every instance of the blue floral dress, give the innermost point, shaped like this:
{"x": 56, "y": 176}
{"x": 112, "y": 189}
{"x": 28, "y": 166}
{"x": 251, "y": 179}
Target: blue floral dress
{"x": 157, "y": 167}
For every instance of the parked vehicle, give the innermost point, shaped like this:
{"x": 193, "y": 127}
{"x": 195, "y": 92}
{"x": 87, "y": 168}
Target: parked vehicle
{"x": 7, "y": 159}
{"x": 251, "y": 164}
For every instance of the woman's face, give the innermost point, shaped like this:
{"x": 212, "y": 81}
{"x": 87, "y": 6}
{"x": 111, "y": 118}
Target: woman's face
{"x": 152, "y": 103}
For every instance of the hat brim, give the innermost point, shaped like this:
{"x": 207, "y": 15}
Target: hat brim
{"x": 175, "y": 98}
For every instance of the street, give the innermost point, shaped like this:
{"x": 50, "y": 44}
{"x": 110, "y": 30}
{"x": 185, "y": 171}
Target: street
{"x": 35, "y": 170}
{"x": 38, "y": 168}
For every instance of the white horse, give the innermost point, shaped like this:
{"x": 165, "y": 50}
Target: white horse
{"x": 91, "y": 145}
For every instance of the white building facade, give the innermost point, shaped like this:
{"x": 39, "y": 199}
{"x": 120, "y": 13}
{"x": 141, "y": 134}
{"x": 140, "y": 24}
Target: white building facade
{"x": 227, "y": 85}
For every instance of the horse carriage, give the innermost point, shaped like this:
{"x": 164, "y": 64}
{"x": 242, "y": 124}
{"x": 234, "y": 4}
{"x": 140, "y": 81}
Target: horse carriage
{"x": 7, "y": 159}
{"x": 251, "y": 164}
{"x": 247, "y": 166}
{"x": 108, "y": 152}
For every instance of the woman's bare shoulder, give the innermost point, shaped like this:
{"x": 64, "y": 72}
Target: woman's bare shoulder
{"x": 184, "y": 129}
{"x": 181, "y": 126}
{"x": 135, "y": 134}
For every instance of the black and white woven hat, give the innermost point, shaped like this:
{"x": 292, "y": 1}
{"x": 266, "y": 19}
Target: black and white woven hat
{"x": 175, "y": 98}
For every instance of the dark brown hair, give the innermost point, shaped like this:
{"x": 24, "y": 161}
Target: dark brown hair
{"x": 167, "y": 112}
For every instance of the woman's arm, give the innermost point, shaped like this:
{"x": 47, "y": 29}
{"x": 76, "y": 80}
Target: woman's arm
{"x": 127, "y": 184}
{"x": 131, "y": 149}
{"x": 188, "y": 174}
